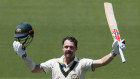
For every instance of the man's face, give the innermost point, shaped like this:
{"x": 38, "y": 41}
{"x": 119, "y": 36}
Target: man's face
{"x": 69, "y": 49}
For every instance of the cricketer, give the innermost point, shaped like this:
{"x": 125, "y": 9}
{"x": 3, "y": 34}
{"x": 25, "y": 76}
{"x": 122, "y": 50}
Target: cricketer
{"x": 68, "y": 66}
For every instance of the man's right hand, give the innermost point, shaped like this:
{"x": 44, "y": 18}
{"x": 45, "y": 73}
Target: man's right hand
{"x": 18, "y": 48}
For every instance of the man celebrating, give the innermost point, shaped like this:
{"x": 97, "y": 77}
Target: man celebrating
{"x": 68, "y": 66}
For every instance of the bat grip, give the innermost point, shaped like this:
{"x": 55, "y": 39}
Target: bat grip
{"x": 121, "y": 54}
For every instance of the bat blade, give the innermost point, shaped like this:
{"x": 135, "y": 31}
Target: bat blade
{"x": 113, "y": 25}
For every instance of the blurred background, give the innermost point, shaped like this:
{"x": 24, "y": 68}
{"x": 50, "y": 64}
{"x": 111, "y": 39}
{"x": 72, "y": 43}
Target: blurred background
{"x": 53, "y": 20}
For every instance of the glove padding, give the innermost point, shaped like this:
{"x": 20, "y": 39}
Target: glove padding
{"x": 118, "y": 44}
{"x": 18, "y": 48}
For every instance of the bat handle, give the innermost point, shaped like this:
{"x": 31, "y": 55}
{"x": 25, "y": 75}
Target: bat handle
{"x": 122, "y": 56}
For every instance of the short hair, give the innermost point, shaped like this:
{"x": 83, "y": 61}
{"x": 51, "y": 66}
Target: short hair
{"x": 72, "y": 39}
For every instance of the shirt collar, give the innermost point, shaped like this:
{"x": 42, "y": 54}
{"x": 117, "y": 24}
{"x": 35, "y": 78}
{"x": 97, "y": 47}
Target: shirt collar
{"x": 60, "y": 60}
{"x": 62, "y": 57}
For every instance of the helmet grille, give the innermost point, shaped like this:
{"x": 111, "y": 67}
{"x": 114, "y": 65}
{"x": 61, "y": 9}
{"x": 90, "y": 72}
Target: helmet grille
{"x": 25, "y": 41}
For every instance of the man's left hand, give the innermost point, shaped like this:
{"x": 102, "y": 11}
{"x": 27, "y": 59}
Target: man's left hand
{"x": 118, "y": 44}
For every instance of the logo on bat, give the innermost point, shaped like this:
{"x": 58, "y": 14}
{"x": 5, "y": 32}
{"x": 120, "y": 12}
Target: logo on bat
{"x": 115, "y": 34}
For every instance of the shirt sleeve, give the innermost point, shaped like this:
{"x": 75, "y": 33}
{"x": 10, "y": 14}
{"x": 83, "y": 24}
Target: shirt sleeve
{"x": 47, "y": 66}
{"x": 87, "y": 64}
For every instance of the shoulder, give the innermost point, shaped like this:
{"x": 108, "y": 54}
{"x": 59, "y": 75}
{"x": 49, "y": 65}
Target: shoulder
{"x": 86, "y": 61}
{"x": 50, "y": 62}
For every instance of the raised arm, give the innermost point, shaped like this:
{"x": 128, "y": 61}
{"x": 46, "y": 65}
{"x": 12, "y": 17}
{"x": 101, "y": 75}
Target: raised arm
{"x": 28, "y": 62}
{"x": 31, "y": 65}
{"x": 108, "y": 58}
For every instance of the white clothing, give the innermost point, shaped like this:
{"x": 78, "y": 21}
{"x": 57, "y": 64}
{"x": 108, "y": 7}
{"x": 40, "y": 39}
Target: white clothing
{"x": 75, "y": 70}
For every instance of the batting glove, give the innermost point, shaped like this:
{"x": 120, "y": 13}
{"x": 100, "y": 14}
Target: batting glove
{"x": 118, "y": 44}
{"x": 18, "y": 48}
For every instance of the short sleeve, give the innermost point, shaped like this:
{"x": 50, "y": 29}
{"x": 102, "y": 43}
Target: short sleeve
{"x": 87, "y": 64}
{"x": 47, "y": 66}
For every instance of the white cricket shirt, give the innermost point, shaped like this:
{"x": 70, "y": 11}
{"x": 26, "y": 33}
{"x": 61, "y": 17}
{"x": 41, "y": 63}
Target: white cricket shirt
{"x": 75, "y": 70}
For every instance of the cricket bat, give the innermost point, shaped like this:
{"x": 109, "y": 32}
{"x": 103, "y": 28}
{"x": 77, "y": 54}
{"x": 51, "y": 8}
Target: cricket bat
{"x": 113, "y": 25}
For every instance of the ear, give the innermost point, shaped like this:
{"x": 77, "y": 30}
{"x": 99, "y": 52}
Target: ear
{"x": 62, "y": 47}
{"x": 76, "y": 48}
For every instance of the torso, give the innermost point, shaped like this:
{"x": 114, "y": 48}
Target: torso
{"x": 59, "y": 72}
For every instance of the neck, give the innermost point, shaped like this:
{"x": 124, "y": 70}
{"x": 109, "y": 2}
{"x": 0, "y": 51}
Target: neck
{"x": 68, "y": 60}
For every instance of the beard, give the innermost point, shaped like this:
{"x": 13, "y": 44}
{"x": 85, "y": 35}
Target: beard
{"x": 68, "y": 54}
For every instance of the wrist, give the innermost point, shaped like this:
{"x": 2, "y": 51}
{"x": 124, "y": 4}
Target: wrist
{"x": 24, "y": 55}
{"x": 112, "y": 54}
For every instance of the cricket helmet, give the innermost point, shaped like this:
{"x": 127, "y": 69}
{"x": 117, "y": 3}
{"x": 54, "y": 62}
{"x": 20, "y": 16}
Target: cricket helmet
{"x": 24, "y": 33}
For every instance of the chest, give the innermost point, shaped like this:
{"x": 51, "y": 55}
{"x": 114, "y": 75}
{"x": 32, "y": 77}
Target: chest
{"x": 72, "y": 72}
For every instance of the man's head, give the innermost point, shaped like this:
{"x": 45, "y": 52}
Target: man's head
{"x": 69, "y": 47}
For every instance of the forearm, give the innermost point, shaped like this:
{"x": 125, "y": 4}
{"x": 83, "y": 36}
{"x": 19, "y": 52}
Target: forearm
{"x": 107, "y": 59}
{"x": 29, "y": 63}
{"x": 18, "y": 48}
{"x": 104, "y": 60}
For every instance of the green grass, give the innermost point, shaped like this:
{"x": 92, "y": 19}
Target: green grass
{"x": 53, "y": 20}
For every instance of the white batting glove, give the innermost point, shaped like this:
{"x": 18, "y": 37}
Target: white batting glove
{"x": 116, "y": 44}
{"x": 18, "y": 48}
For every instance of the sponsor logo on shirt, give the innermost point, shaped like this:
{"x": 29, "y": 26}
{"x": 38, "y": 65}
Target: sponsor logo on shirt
{"x": 74, "y": 76}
